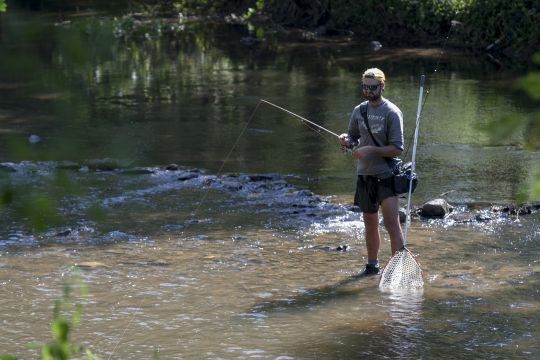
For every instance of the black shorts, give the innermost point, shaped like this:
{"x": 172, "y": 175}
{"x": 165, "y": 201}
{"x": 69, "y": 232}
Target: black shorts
{"x": 371, "y": 191}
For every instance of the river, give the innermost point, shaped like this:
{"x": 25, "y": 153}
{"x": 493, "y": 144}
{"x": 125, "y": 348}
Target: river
{"x": 229, "y": 255}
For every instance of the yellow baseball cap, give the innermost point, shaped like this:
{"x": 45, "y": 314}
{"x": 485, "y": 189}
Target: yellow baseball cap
{"x": 374, "y": 73}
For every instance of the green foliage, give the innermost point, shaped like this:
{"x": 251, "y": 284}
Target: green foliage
{"x": 396, "y": 19}
{"x": 530, "y": 84}
{"x": 511, "y": 26}
{"x": 40, "y": 207}
{"x": 66, "y": 317}
{"x": 41, "y": 210}
{"x": 3, "y": 6}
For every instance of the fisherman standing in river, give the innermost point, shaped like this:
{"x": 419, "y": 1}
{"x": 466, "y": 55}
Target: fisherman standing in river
{"x": 382, "y": 138}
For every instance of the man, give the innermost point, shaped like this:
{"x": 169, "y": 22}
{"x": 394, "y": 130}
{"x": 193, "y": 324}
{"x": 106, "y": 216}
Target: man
{"x": 374, "y": 187}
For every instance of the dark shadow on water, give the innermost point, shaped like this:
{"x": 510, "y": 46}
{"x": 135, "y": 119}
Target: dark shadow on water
{"x": 308, "y": 298}
{"x": 393, "y": 329}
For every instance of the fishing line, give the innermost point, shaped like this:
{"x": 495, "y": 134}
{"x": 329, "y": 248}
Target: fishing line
{"x": 241, "y": 134}
{"x": 201, "y": 202}
{"x": 453, "y": 24}
{"x": 421, "y": 105}
{"x": 301, "y": 118}
{"x": 205, "y": 195}
{"x": 121, "y": 336}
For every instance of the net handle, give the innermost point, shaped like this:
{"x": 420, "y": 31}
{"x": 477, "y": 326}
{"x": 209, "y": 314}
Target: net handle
{"x": 415, "y": 143}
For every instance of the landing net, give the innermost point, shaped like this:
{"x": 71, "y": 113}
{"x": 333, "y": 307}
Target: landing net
{"x": 402, "y": 272}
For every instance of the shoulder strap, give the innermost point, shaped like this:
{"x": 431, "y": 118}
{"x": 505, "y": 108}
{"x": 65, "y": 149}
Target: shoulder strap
{"x": 363, "y": 112}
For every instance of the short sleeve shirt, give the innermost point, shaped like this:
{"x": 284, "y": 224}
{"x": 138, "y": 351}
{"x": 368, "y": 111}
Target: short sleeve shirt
{"x": 386, "y": 124}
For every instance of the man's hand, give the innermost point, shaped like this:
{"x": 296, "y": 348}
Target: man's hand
{"x": 345, "y": 141}
{"x": 346, "y": 144}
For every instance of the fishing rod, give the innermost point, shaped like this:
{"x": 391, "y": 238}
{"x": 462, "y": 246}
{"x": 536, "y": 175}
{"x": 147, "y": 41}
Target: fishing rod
{"x": 301, "y": 118}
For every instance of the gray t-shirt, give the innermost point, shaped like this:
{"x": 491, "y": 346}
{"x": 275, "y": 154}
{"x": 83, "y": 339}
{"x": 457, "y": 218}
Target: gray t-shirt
{"x": 386, "y": 124}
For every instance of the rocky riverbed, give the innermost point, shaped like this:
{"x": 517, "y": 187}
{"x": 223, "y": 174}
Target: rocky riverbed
{"x": 295, "y": 207}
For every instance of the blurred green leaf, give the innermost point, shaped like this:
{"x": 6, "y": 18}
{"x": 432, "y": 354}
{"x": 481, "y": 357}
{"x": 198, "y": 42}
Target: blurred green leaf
{"x": 530, "y": 84}
{"x": 60, "y": 329}
{"x": 502, "y": 127}
{"x": 64, "y": 185}
{"x": 41, "y": 211}
{"x": 19, "y": 149}
{"x": 7, "y": 357}
{"x": 96, "y": 213}
{"x": 536, "y": 188}
{"x": 7, "y": 195}
{"x": 66, "y": 317}
{"x": 529, "y": 127}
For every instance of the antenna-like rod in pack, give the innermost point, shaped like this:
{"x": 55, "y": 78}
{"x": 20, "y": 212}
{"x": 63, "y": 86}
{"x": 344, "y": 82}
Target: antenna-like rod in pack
{"x": 416, "y": 130}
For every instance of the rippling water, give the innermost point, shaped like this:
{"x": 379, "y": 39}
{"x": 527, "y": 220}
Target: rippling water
{"x": 240, "y": 262}
{"x": 252, "y": 273}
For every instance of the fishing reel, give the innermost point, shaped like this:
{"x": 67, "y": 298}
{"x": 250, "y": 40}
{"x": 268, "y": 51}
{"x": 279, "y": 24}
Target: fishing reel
{"x": 350, "y": 147}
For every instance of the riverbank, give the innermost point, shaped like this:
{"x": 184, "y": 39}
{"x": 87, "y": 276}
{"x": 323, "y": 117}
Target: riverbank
{"x": 504, "y": 33}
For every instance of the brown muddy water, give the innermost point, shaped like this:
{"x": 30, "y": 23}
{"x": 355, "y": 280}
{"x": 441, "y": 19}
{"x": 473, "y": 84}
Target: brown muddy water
{"x": 250, "y": 277}
{"x": 226, "y": 258}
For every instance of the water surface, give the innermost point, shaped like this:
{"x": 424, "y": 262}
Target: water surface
{"x": 226, "y": 263}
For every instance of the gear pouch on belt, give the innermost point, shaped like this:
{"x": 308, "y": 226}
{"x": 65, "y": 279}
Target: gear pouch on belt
{"x": 403, "y": 177}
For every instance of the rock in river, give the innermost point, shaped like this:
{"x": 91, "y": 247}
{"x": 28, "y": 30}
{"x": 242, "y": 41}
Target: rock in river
{"x": 436, "y": 208}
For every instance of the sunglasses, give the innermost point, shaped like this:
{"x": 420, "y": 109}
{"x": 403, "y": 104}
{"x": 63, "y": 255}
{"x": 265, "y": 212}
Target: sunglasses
{"x": 370, "y": 87}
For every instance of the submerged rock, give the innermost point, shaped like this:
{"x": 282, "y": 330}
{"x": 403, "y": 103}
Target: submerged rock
{"x": 187, "y": 176}
{"x": 515, "y": 209}
{"x": 158, "y": 262}
{"x": 7, "y": 167}
{"x": 262, "y": 177}
{"x": 331, "y": 248}
{"x": 63, "y": 233}
{"x": 91, "y": 265}
{"x": 462, "y": 217}
{"x": 68, "y": 165}
{"x": 106, "y": 164}
{"x": 34, "y": 139}
{"x": 138, "y": 171}
{"x": 172, "y": 167}
{"x": 485, "y": 216}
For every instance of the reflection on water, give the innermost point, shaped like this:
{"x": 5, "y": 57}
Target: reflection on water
{"x": 242, "y": 264}
{"x": 405, "y": 322}
{"x": 184, "y": 96}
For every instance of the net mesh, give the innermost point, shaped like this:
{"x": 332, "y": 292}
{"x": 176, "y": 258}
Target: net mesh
{"x": 402, "y": 272}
